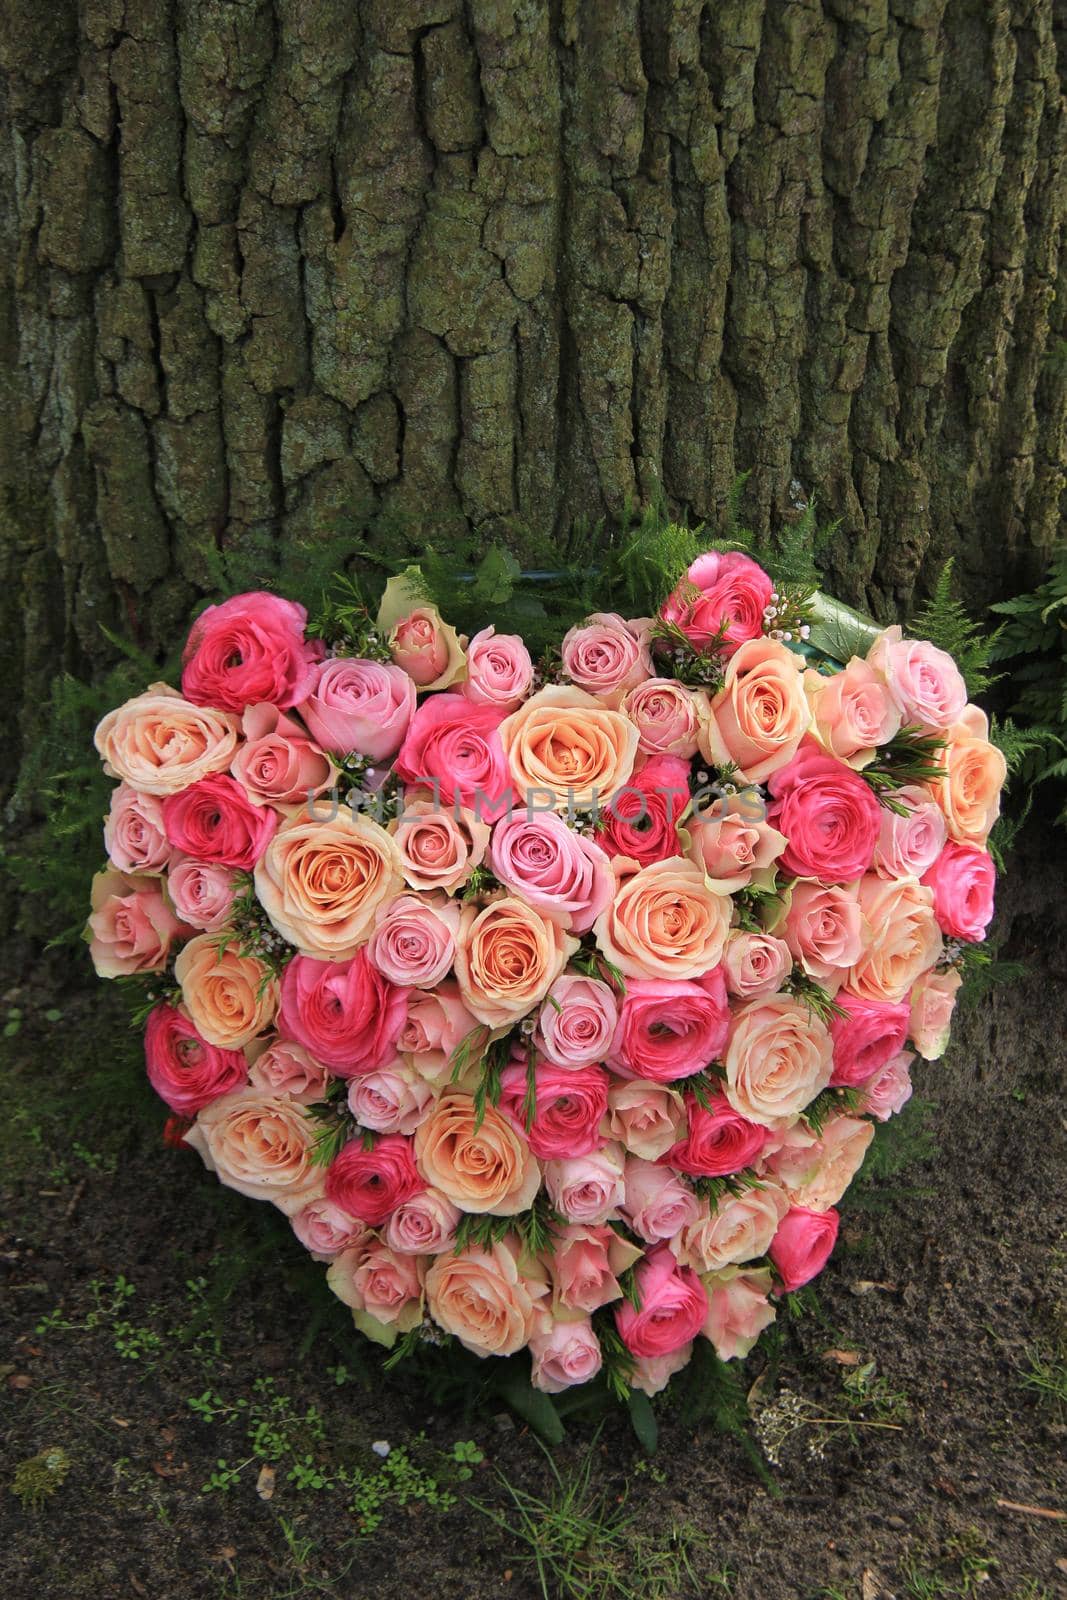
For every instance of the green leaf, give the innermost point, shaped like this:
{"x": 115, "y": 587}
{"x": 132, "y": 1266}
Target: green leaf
{"x": 530, "y": 1404}
{"x": 644, "y": 1421}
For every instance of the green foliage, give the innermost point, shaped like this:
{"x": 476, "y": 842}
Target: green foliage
{"x": 902, "y": 1142}
{"x": 1033, "y": 642}
{"x": 945, "y": 622}
{"x": 37, "y": 1479}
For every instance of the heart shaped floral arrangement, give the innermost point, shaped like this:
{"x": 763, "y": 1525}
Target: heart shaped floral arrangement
{"x": 554, "y": 1005}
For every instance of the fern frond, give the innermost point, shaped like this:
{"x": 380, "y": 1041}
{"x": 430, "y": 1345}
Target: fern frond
{"x": 946, "y": 623}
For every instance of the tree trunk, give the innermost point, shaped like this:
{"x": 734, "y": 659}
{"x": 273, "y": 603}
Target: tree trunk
{"x": 276, "y": 271}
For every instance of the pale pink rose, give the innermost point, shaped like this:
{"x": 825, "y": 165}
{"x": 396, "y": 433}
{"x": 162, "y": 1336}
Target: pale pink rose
{"x": 587, "y": 1189}
{"x": 652, "y": 1374}
{"x": 261, "y": 1145}
{"x": 646, "y": 1118}
{"x": 568, "y": 1353}
{"x": 436, "y": 1024}
{"x": 924, "y": 681}
{"x": 134, "y": 836}
{"x": 278, "y": 764}
{"x": 760, "y": 714}
{"x": 414, "y": 940}
{"x": 576, "y": 1023}
{"x": 382, "y": 1287}
{"x": 825, "y": 930}
{"x": 326, "y": 1230}
{"x": 424, "y": 1225}
{"x": 202, "y": 893}
{"x": 933, "y": 1000}
{"x": 420, "y": 641}
{"x": 390, "y": 1100}
{"x": 565, "y": 875}
{"x": 905, "y": 938}
{"x": 359, "y": 707}
{"x": 888, "y": 1091}
{"x": 740, "y": 1228}
{"x": 908, "y": 845}
{"x": 160, "y": 743}
{"x": 439, "y": 848}
{"x": 667, "y": 716}
{"x": 732, "y": 847}
{"x": 131, "y": 926}
{"x": 280, "y": 1067}
{"x": 852, "y": 711}
{"x": 815, "y": 1170}
{"x": 755, "y": 964}
{"x": 780, "y": 1056}
{"x": 657, "y": 1204}
{"x": 738, "y": 1311}
{"x": 499, "y": 670}
{"x": 584, "y": 1264}
{"x": 606, "y": 656}
{"x": 492, "y": 1305}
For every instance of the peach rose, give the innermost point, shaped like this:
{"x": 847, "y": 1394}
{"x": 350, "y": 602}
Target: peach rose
{"x": 321, "y": 883}
{"x": 825, "y": 930}
{"x": 483, "y": 1298}
{"x": 760, "y": 714}
{"x": 261, "y": 1145}
{"x": 585, "y": 1264}
{"x": 131, "y": 926}
{"x": 668, "y": 717}
{"x": 778, "y": 1059}
{"x": 390, "y": 1100}
{"x": 480, "y": 1167}
{"x": 439, "y": 847}
{"x": 667, "y": 921}
{"x": 427, "y": 649}
{"x": 852, "y": 712}
{"x": 278, "y": 764}
{"x": 229, "y": 997}
{"x": 646, "y": 1118}
{"x": 933, "y": 1000}
{"x": 740, "y": 1228}
{"x": 160, "y": 743}
{"x": 905, "y": 937}
{"x": 739, "y": 1309}
{"x": 508, "y": 956}
{"x": 815, "y": 1170}
{"x": 733, "y": 848}
{"x": 564, "y": 744}
{"x": 969, "y": 794}
{"x": 382, "y": 1287}
{"x": 278, "y": 1066}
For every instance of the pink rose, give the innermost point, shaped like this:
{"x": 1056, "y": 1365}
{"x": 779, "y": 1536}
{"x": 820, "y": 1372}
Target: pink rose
{"x": 652, "y": 1374}
{"x": 382, "y": 1287}
{"x": 852, "y": 711}
{"x": 889, "y": 1090}
{"x": 732, "y": 847}
{"x": 390, "y": 1100}
{"x": 641, "y": 819}
{"x": 423, "y": 1225}
{"x": 587, "y": 1189}
{"x": 962, "y": 879}
{"x": 134, "y": 836}
{"x": 566, "y": 876}
{"x": 183, "y": 1069}
{"x": 646, "y": 1118}
{"x": 344, "y": 1012}
{"x": 435, "y": 1026}
{"x": 667, "y": 716}
{"x": 825, "y": 930}
{"x": 249, "y": 649}
{"x": 457, "y": 745}
{"x": 326, "y": 1230}
{"x": 359, "y": 707}
{"x": 815, "y": 1170}
{"x": 924, "y": 681}
{"x": 657, "y": 1204}
{"x": 606, "y": 656}
{"x": 568, "y": 1104}
{"x": 733, "y": 594}
{"x": 131, "y": 927}
{"x": 499, "y": 670}
{"x": 755, "y": 964}
{"x": 829, "y": 815}
{"x": 278, "y": 765}
{"x": 568, "y": 1353}
{"x": 215, "y": 821}
{"x": 803, "y": 1245}
{"x": 872, "y": 1032}
{"x": 933, "y": 1000}
{"x": 438, "y": 848}
{"x": 371, "y": 1183}
{"x": 414, "y": 940}
{"x": 287, "y": 1068}
{"x": 673, "y": 1304}
{"x": 719, "y": 1140}
{"x": 738, "y": 1311}
{"x": 576, "y": 1022}
{"x": 585, "y": 1263}
{"x": 908, "y": 845}
{"x": 671, "y": 1029}
{"x": 201, "y": 893}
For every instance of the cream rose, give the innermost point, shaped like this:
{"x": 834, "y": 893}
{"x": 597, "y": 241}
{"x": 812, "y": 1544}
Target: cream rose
{"x": 740, "y": 1228}
{"x": 482, "y": 1297}
{"x": 778, "y": 1059}
{"x": 160, "y": 743}
{"x": 261, "y": 1145}
{"x": 231, "y": 998}
{"x": 565, "y": 743}
{"x": 815, "y": 1170}
{"x": 486, "y": 1167}
{"x": 321, "y": 883}
{"x": 508, "y": 956}
{"x": 666, "y": 921}
{"x": 760, "y": 714}
{"x": 905, "y": 938}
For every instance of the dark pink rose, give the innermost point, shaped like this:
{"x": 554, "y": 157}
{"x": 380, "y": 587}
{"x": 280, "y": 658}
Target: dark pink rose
{"x": 803, "y": 1245}
{"x": 248, "y": 649}
{"x": 673, "y": 1303}
{"x": 641, "y": 819}
{"x": 963, "y": 879}
{"x": 871, "y": 1034}
{"x": 183, "y": 1068}
{"x": 344, "y": 1012}
{"x": 719, "y": 1141}
{"x": 671, "y": 1028}
{"x": 360, "y": 706}
{"x": 829, "y": 815}
{"x": 458, "y": 745}
{"x": 215, "y": 821}
{"x": 370, "y": 1184}
{"x": 733, "y": 591}
{"x": 568, "y": 1105}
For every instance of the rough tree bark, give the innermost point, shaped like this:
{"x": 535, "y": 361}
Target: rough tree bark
{"x": 271, "y": 267}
